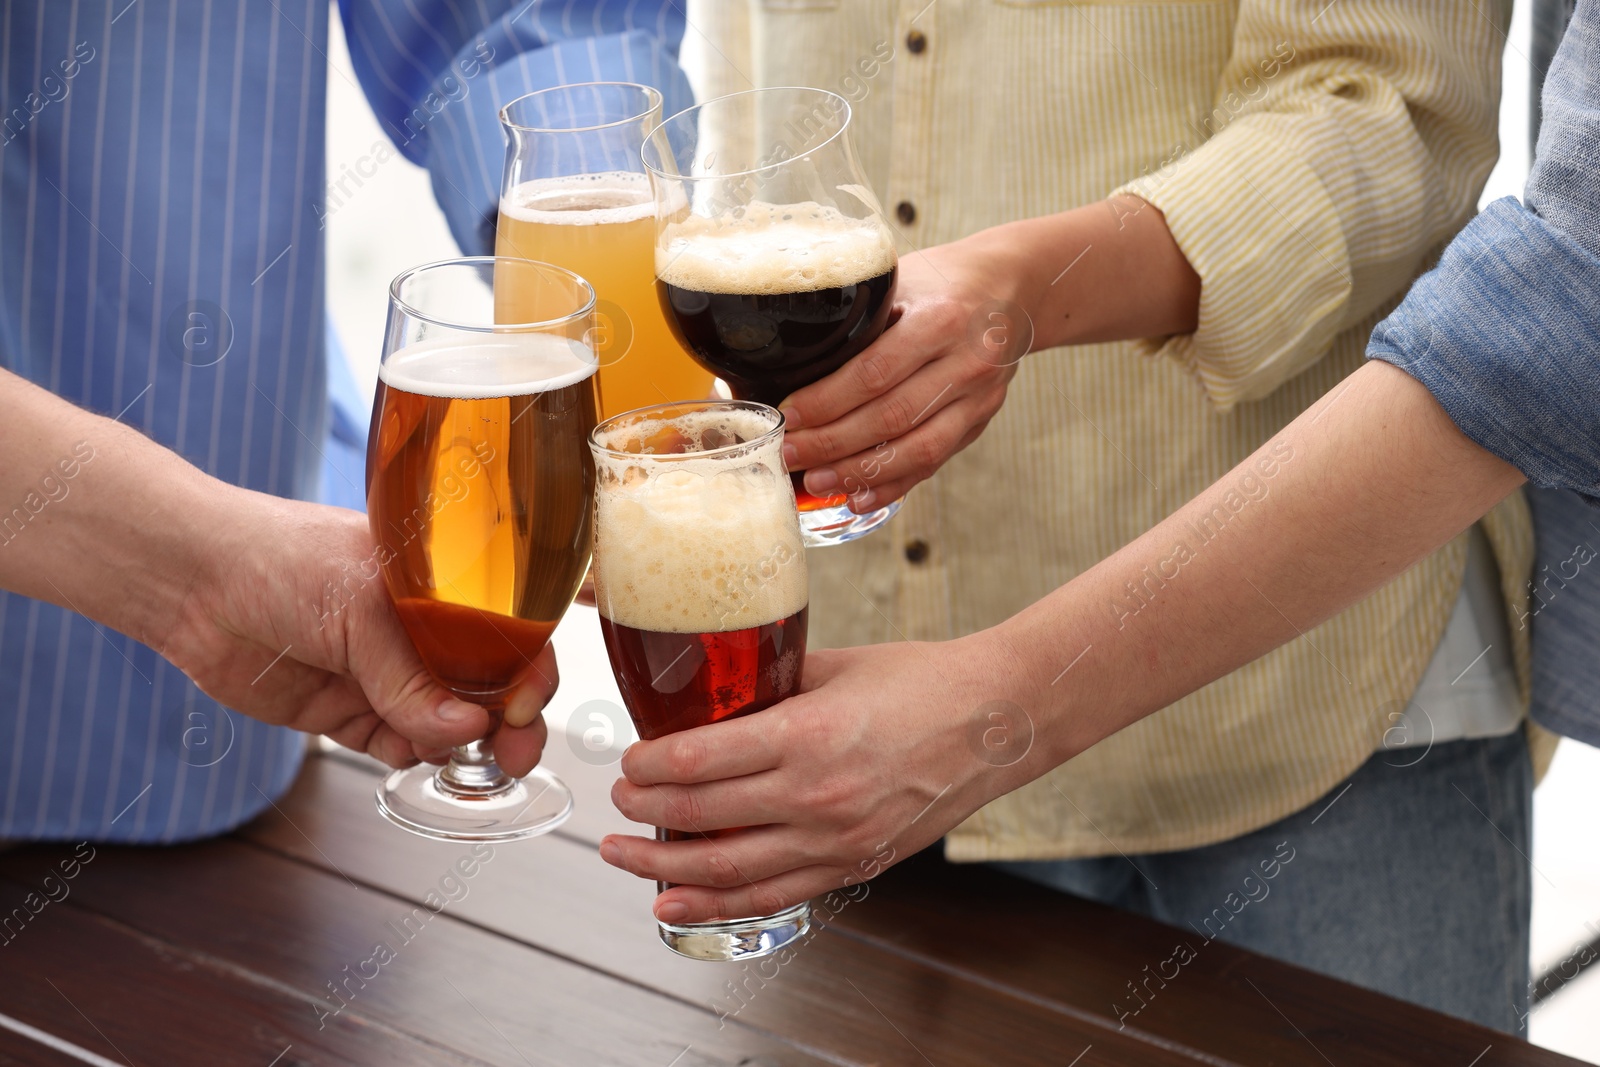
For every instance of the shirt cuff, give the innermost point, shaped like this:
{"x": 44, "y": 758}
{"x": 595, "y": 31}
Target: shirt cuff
{"x": 1256, "y": 224}
{"x": 1502, "y": 333}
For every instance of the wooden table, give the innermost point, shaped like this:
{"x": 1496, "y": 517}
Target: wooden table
{"x": 262, "y": 950}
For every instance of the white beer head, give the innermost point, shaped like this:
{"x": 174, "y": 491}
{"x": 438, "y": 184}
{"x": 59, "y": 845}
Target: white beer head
{"x": 771, "y": 249}
{"x": 581, "y": 200}
{"x": 695, "y": 522}
{"x": 486, "y": 365}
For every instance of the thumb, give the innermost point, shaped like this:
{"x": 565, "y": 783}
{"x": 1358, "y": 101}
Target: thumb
{"x": 400, "y": 689}
{"x": 521, "y": 738}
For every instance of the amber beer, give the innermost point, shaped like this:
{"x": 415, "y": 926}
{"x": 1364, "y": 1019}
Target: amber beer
{"x": 700, "y": 576}
{"x": 602, "y": 226}
{"x": 479, "y": 487}
{"x": 776, "y": 297}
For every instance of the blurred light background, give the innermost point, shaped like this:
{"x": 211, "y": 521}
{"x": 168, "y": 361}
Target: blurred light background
{"x": 389, "y": 223}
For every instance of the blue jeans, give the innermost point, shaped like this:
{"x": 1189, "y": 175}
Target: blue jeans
{"x": 1411, "y": 880}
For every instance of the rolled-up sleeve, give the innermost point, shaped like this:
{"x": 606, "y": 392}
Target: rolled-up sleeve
{"x": 1346, "y": 144}
{"x": 437, "y": 74}
{"x": 1505, "y": 332}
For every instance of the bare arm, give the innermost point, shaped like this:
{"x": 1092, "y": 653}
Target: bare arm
{"x": 884, "y": 752}
{"x": 1366, "y": 483}
{"x": 250, "y": 595}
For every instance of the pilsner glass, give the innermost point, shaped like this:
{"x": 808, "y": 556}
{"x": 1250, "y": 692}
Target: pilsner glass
{"x": 700, "y": 578}
{"x": 574, "y": 193}
{"x": 480, "y": 494}
{"x": 772, "y": 255}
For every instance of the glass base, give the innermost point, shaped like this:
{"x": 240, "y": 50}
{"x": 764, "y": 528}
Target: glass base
{"x": 414, "y": 799}
{"x": 835, "y": 526}
{"x": 738, "y": 939}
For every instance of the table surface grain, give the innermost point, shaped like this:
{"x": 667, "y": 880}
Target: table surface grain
{"x": 319, "y": 935}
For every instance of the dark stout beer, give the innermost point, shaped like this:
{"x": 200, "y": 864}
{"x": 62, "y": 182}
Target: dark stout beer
{"x": 777, "y": 297}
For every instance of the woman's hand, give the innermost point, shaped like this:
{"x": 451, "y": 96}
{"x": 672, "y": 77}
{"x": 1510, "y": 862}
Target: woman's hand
{"x": 922, "y": 392}
{"x": 968, "y": 312}
{"x": 287, "y": 621}
{"x": 887, "y": 748}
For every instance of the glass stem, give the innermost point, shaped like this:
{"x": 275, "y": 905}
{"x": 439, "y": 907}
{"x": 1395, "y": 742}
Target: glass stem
{"x": 473, "y": 772}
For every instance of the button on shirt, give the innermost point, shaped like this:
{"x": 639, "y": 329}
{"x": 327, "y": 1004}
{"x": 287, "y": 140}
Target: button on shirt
{"x": 161, "y": 261}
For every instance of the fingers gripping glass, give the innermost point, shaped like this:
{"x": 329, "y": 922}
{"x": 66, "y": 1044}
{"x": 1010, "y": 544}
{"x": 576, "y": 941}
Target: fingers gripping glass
{"x": 700, "y": 579}
{"x": 480, "y": 491}
{"x": 772, "y": 256}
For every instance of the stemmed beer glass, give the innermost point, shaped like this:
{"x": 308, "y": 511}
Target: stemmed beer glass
{"x": 772, "y": 256}
{"x": 700, "y": 579}
{"x": 480, "y": 495}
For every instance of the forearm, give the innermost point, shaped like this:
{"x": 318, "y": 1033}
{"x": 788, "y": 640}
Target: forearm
{"x": 92, "y": 513}
{"x": 1107, "y": 271}
{"x": 1362, "y": 486}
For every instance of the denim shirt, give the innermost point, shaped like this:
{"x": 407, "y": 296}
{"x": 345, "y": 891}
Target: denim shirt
{"x": 1505, "y": 332}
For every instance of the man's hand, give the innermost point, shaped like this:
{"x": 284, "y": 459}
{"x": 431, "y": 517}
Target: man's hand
{"x": 288, "y": 621}
{"x": 273, "y": 607}
{"x": 922, "y": 392}
{"x": 887, "y": 748}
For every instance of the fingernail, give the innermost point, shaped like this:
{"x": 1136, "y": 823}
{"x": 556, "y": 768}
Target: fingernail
{"x": 457, "y": 711}
{"x": 672, "y": 912}
{"x": 611, "y": 853}
{"x": 861, "y": 503}
{"x": 821, "y": 480}
{"x": 522, "y": 708}
{"x": 791, "y": 418}
{"x": 791, "y": 456}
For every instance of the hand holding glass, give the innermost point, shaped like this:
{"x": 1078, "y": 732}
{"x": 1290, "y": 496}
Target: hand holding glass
{"x": 480, "y": 491}
{"x": 700, "y": 578}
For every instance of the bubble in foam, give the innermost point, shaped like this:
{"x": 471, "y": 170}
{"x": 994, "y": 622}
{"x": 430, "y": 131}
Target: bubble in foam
{"x": 478, "y": 367}
{"x": 701, "y": 543}
{"x": 770, "y": 249}
{"x": 581, "y": 199}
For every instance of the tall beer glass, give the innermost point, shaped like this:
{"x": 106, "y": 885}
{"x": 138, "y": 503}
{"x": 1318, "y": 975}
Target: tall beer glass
{"x": 700, "y": 578}
{"x": 574, "y": 193}
{"x": 772, "y": 256}
{"x": 480, "y": 492}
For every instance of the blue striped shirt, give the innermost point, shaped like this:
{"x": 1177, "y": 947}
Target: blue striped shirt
{"x": 162, "y": 195}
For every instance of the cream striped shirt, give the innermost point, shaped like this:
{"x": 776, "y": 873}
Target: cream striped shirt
{"x": 1311, "y": 159}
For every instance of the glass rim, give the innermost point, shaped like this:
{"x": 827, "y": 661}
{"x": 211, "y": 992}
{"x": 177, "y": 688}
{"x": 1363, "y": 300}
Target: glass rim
{"x": 606, "y": 425}
{"x": 844, "y": 106}
{"x": 398, "y": 302}
{"x": 652, "y": 98}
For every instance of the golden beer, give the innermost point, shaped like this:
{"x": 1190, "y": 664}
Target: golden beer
{"x": 602, "y": 227}
{"x": 479, "y": 491}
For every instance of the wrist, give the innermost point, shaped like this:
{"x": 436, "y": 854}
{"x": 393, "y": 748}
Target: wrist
{"x": 165, "y": 543}
{"x": 999, "y": 264}
{"x": 1008, "y": 728}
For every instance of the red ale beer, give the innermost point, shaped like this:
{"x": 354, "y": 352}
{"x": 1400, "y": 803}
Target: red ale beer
{"x": 700, "y": 577}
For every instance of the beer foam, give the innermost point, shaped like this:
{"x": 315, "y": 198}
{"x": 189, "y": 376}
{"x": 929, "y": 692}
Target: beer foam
{"x": 772, "y": 249}
{"x": 482, "y": 366}
{"x": 581, "y": 199}
{"x": 698, "y": 545}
